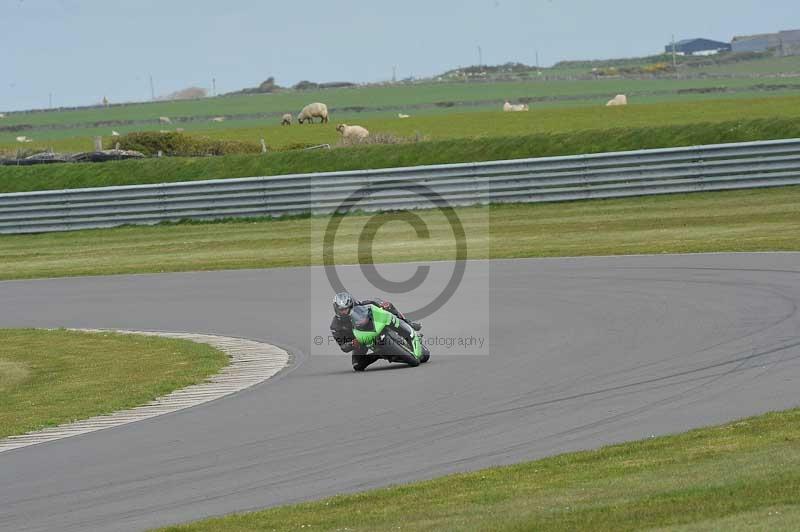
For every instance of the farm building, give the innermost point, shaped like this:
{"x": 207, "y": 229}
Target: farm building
{"x": 698, "y": 47}
{"x": 755, "y": 43}
{"x": 782, "y": 43}
{"x": 789, "y": 42}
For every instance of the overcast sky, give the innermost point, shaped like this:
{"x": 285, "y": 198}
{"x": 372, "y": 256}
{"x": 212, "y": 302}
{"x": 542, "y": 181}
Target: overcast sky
{"x": 82, "y": 50}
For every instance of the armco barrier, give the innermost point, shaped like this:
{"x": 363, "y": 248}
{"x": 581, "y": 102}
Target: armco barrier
{"x": 607, "y": 175}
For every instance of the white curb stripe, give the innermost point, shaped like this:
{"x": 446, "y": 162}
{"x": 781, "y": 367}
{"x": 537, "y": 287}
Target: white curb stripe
{"x": 251, "y": 363}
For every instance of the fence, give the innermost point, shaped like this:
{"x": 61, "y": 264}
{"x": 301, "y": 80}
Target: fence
{"x": 609, "y": 175}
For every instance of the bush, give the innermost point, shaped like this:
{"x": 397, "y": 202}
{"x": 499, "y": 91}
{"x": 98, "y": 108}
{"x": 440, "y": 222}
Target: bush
{"x": 305, "y": 85}
{"x": 181, "y": 145}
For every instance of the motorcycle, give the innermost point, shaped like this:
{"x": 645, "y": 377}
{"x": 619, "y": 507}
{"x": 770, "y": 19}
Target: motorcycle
{"x": 388, "y": 336}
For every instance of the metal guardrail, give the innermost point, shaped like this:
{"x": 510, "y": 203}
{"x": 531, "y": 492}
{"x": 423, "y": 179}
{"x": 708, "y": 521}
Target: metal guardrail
{"x": 608, "y": 175}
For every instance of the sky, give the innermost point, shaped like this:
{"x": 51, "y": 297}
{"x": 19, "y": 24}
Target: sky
{"x": 78, "y": 51}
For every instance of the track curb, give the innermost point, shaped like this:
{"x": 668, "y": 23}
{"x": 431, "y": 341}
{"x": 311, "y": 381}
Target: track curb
{"x": 251, "y": 363}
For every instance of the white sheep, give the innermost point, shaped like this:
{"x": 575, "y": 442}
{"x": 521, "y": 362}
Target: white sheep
{"x": 179, "y": 130}
{"x": 515, "y": 108}
{"x": 164, "y": 120}
{"x": 2, "y": 115}
{"x": 619, "y": 99}
{"x": 401, "y": 115}
{"x": 114, "y": 134}
{"x": 218, "y": 119}
{"x": 24, "y": 139}
{"x": 312, "y": 111}
{"x": 354, "y": 132}
{"x": 286, "y": 119}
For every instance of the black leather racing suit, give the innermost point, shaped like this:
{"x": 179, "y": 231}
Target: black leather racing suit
{"x": 342, "y": 332}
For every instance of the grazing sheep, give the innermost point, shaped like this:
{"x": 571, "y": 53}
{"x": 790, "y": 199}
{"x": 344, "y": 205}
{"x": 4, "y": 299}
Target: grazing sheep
{"x": 352, "y": 132}
{"x": 179, "y": 130}
{"x": 312, "y": 111}
{"x": 114, "y": 134}
{"x": 218, "y": 119}
{"x": 286, "y": 120}
{"x": 164, "y": 131}
{"x": 2, "y": 115}
{"x": 515, "y": 108}
{"x": 24, "y": 139}
{"x": 401, "y": 115}
{"x": 619, "y": 99}
{"x": 164, "y": 120}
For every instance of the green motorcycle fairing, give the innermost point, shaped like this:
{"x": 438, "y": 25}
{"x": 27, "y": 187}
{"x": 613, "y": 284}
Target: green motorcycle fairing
{"x": 369, "y": 322}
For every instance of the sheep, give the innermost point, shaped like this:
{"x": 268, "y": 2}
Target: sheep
{"x": 286, "y": 120}
{"x": 179, "y": 130}
{"x": 164, "y": 120}
{"x": 2, "y": 115}
{"x": 218, "y": 119}
{"x": 312, "y": 111}
{"x": 24, "y": 139}
{"x": 619, "y": 99}
{"x": 354, "y": 132}
{"x": 515, "y": 108}
{"x": 114, "y": 134}
{"x": 401, "y": 115}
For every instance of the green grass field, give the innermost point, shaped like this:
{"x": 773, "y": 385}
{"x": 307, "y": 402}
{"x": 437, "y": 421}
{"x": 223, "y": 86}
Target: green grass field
{"x": 740, "y": 476}
{"x": 756, "y": 220}
{"x": 52, "y": 377}
{"x": 369, "y": 97}
{"x": 72, "y": 130}
{"x": 464, "y": 137}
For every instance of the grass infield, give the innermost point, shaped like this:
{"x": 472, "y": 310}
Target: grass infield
{"x": 48, "y": 378}
{"x": 740, "y": 476}
{"x": 750, "y": 220}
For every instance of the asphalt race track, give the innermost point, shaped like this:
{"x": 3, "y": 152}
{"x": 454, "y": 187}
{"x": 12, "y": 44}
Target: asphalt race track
{"x": 583, "y": 352}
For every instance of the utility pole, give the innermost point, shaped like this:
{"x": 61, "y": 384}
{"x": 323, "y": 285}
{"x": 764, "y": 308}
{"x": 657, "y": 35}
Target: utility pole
{"x": 480, "y": 56}
{"x": 50, "y": 106}
{"x": 674, "y": 59}
{"x": 394, "y": 74}
{"x": 537, "y": 59}
{"x": 152, "y": 89}
{"x": 213, "y": 86}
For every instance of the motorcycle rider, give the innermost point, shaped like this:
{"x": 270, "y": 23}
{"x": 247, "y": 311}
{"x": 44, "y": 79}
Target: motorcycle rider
{"x": 342, "y": 327}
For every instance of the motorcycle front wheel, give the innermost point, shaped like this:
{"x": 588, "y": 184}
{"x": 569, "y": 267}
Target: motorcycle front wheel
{"x": 396, "y": 350}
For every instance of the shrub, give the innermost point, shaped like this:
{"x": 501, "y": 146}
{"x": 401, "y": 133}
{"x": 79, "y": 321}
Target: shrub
{"x": 181, "y": 145}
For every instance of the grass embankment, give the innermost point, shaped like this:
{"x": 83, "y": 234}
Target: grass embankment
{"x": 52, "y": 377}
{"x": 444, "y": 123}
{"x": 756, "y": 220}
{"x": 482, "y": 147}
{"x": 740, "y": 476}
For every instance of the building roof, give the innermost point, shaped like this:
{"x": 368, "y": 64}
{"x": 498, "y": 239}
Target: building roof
{"x": 712, "y": 44}
{"x": 752, "y": 37}
{"x": 784, "y": 33}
